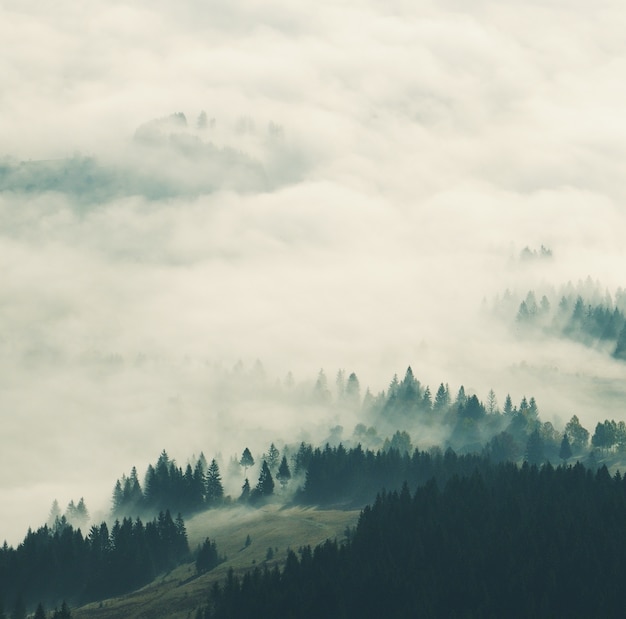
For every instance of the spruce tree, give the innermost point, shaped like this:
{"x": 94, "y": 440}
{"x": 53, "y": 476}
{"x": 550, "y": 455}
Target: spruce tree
{"x": 214, "y": 487}
{"x": 565, "y": 452}
{"x": 284, "y": 474}
{"x": 246, "y": 460}
{"x": 265, "y": 485}
{"x": 245, "y": 492}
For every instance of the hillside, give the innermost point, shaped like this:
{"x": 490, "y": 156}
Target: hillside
{"x": 177, "y": 593}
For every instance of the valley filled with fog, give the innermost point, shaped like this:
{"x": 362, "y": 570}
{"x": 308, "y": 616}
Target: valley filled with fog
{"x": 197, "y": 201}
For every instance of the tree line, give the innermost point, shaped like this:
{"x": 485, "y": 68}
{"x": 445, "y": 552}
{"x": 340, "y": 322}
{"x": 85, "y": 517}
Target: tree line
{"x": 59, "y": 563}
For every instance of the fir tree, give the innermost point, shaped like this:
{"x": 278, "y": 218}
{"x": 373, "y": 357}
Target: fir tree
{"x": 284, "y": 474}
{"x": 214, "y": 487}
{"x": 565, "y": 451}
{"x": 246, "y": 460}
{"x": 265, "y": 485}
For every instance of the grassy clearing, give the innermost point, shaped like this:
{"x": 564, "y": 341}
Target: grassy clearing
{"x": 177, "y": 594}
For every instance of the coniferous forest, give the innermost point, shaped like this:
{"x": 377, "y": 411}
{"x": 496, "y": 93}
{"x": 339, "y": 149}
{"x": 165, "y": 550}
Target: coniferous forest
{"x": 59, "y": 563}
{"x": 500, "y": 541}
{"x": 482, "y": 525}
{"x": 312, "y": 309}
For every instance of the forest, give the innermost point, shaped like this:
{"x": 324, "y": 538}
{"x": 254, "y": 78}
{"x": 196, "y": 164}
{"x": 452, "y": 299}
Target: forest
{"x": 583, "y": 313}
{"x": 505, "y": 453}
{"x": 56, "y": 564}
{"x": 498, "y": 541}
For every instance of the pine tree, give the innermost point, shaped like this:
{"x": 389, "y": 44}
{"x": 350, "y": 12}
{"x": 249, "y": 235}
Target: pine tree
{"x": 265, "y": 485}
{"x": 492, "y": 403}
{"x": 207, "y": 557}
{"x": 620, "y": 347}
{"x": 55, "y": 513}
{"x": 246, "y": 460}
{"x": 284, "y": 474}
{"x": 40, "y": 613}
{"x": 81, "y": 517}
{"x": 245, "y": 491}
{"x": 64, "y": 613}
{"x": 321, "y": 393}
{"x": 353, "y": 390}
{"x": 565, "y": 452}
{"x": 427, "y": 401}
{"x": 273, "y": 457}
{"x": 441, "y": 398}
{"x": 535, "y": 449}
{"x": 214, "y": 487}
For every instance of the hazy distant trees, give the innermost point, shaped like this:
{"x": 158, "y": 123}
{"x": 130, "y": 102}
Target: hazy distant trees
{"x": 272, "y": 458}
{"x": 321, "y": 393}
{"x": 582, "y": 314}
{"x": 246, "y": 460}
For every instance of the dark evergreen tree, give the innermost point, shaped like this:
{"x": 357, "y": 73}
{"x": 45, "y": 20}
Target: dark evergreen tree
{"x": 508, "y": 406}
{"x": 207, "y": 557}
{"x": 265, "y": 485}
{"x": 535, "y": 449}
{"x": 214, "y": 487}
{"x": 442, "y": 398}
{"x": 284, "y": 474}
{"x": 64, "y": 613}
{"x": 245, "y": 491}
{"x": 302, "y": 458}
{"x": 19, "y": 609}
{"x": 565, "y": 451}
{"x": 40, "y": 613}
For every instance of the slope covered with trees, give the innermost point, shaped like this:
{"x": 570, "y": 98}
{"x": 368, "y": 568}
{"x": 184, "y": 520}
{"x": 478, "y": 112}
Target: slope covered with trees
{"x": 500, "y": 542}
{"x": 59, "y": 563}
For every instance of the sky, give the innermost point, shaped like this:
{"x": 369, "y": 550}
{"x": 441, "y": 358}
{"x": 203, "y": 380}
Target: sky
{"x": 366, "y": 178}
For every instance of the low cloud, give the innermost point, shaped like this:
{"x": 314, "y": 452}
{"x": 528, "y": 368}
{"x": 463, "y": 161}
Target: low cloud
{"x": 366, "y": 177}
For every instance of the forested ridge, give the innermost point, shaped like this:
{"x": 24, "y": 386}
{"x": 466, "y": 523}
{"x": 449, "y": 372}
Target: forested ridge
{"x": 59, "y": 563}
{"x": 503, "y": 541}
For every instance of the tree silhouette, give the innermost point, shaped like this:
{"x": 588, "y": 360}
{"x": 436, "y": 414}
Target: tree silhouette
{"x": 246, "y": 460}
{"x": 265, "y": 485}
{"x": 565, "y": 451}
{"x": 284, "y": 474}
{"x": 214, "y": 487}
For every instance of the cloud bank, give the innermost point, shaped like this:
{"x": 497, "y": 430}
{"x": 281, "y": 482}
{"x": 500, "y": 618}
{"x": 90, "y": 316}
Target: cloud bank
{"x": 364, "y": 177}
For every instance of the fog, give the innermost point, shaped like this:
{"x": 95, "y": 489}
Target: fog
{"x": 362, "y": 188}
